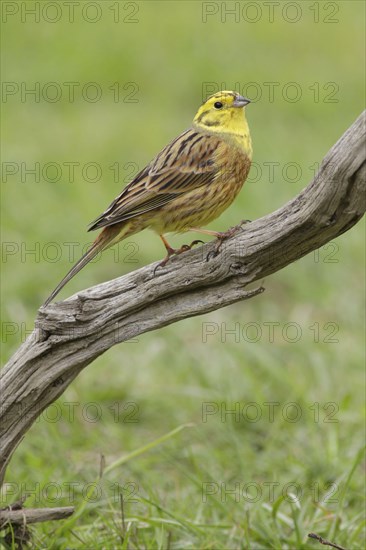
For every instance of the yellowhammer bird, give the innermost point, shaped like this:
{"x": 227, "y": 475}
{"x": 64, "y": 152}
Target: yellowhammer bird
{"x": 187, "y": 185}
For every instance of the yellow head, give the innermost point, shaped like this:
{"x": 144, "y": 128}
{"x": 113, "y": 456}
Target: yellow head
{"x": 223, "y": 113}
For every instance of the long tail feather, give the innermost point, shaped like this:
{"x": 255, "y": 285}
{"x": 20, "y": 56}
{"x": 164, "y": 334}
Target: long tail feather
{"x": 103, "y": 239}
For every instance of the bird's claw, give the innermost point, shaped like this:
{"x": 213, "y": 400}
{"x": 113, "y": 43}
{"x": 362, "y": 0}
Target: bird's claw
{"x": 215, "y": 252}
{"x": 176, "y": 252}
{"x": 221, "y": 237}
{"x": 186, "y": 247}
{"x": 243, "y": 222}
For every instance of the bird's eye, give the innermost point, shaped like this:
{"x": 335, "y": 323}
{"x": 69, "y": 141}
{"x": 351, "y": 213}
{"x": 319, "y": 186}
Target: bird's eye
{"x": 218, "y": 105}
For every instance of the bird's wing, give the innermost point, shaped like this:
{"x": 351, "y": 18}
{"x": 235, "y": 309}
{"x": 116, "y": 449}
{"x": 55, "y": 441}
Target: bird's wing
{"x": 183, "y": 165}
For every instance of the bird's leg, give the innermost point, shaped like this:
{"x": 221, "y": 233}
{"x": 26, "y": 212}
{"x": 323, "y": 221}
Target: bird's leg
{"x": 220, "y": 236}
{"x": 170, "y": 252}
{"x": 174, "y": 251}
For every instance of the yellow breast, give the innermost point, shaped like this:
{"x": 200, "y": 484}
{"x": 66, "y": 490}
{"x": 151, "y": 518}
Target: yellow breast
{"x": 204, "y": 204}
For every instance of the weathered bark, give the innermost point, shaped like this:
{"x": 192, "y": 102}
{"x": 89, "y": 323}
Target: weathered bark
{"x": 71, "y": 334}
{"x": 24, "y": 516}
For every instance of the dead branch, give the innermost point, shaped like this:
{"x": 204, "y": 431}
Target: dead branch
{"x": 69, "y": 335}
{"x": 325, "y": 542}
{"x": 25, "y": 516}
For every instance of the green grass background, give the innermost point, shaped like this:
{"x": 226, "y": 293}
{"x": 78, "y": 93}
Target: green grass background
{"x": 163, "y": 380}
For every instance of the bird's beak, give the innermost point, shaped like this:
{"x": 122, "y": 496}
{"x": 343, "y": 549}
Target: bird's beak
{"x": 240, "y": 101}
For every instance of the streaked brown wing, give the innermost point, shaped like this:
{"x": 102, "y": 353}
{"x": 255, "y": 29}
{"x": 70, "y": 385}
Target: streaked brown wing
{"x": 183, "y": 165}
